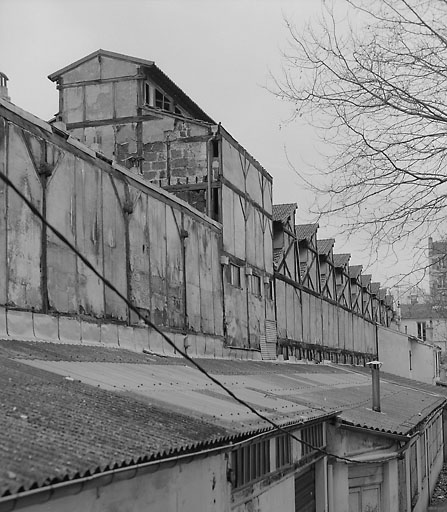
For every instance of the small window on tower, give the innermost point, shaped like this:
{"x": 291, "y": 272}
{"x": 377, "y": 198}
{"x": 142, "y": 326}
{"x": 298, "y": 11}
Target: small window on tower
{"x": 162, "y": 101}
{"x": 147, "y": 93}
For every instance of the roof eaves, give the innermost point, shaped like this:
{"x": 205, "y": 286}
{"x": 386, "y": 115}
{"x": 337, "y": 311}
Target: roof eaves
{"x": 56, "y": 74}
{"x": 341, "y": 260}
{"x": 281, "y": 212}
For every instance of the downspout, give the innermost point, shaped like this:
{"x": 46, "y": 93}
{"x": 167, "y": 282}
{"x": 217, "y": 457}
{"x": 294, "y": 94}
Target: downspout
{"x": 44, "y": 173}
{"x": 183, "y": 236}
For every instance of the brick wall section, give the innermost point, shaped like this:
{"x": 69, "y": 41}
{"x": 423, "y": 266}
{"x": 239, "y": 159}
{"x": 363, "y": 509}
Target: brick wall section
{"x": 179, "y": 156}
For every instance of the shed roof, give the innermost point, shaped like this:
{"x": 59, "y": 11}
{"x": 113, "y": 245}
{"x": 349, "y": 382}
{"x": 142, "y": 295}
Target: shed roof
{"x": 375, "y": 287}
{"x": 281, "y": 212}
{"x": 382, "y": 293}
{"x": 341, "y": 260}
{"x": 355, "y": 271}
{"x": 68, "y": 411}
{"x": 305, "y": 231}
{"x": 325, "y": 246}
{"x": 157, "y": 74}
{"x": 365, "y": 280}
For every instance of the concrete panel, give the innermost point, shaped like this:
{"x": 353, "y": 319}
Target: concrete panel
{"x": 115, "y": 257}
{"x": 61, "y": 261}
{"x": 126, "y": 98}
{"x": 141, "y": 338}
{"x": 69, "y": 330}
{"x": 253, "y": 183}
{"x": 239, "y": 229}
{"x": 98, "y": 101}
{"x": 73, "y": 99}
{"x": 89, "y": 237}
{"x": 126, "y": 337}
{"x": 192, "y": 274}
{"x": 228, "y": 222}
{"x": 206, "y": 282}
{"x": 3, "y": 213}
{"x": 218, "y": 347}
{"x": 174, "y": 269}
{"x": 250, "y": 233}
{"x": 157, "y": 255}
{"x": 268, "y": 246}
{"x": 90, "y": 333}
{"x": 168, "y": 349}
{"x": 20, "y": 324}
{"x": 200, "y": 345}
{"x": 46, "y": 327}
{"x": 24, "y": 230}
{"x": 232, "y": 169}
{"x": 114, "y": 68}
{"x": 109, "y": 335}
{"x": 155, "y": 342}
{"x": 88, "y": 70}
{"x": 3, "y": 324}
{"x": 139, "y": 243}
{"x": 217, "y": 270}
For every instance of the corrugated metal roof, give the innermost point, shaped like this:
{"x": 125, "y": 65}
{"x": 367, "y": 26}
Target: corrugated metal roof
{"x": 281, "y": 212}
{"x": 355, "y": 270}
{"x": 341, "y": 260}
{"x": 325, "y": 246}
{"x": 305, "y": 231}
{"x": 66, "y": 411}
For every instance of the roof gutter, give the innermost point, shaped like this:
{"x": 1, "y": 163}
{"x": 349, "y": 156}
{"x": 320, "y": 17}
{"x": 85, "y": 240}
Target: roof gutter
{"x": 78, "y": 485}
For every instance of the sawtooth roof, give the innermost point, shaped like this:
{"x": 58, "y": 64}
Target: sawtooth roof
{"x": 375, "y": 287}
{"x": 170, "y": 87}
{"x": 305, "y": 231}
{"x": 325, "y": 246}
{"x": 365, "y": 279}
{"x": 341, "y": 260}
{"x": 281, "y": 212}
{"x": 355, "y": 271}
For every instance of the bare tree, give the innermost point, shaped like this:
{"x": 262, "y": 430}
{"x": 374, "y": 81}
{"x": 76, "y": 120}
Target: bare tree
{"x": 373, "y": 80}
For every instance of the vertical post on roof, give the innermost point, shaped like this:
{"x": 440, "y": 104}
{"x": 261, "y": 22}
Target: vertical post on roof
{"x": 375, "y": 374}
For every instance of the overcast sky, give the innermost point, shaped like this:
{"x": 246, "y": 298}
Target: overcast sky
{"x": 220, "y": 52}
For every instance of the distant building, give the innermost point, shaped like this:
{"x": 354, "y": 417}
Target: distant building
{"x": 437, "y": 269}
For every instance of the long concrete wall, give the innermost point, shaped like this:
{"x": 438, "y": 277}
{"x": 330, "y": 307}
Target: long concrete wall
{"x": 157, "y": 250}
{"x": 308, "y": 321}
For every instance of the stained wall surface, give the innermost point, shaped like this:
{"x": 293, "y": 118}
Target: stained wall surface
{"x": 158, "y": 251}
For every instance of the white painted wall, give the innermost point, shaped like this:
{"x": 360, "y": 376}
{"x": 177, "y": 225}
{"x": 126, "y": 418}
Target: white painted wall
{"x": 394, "y": 352}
